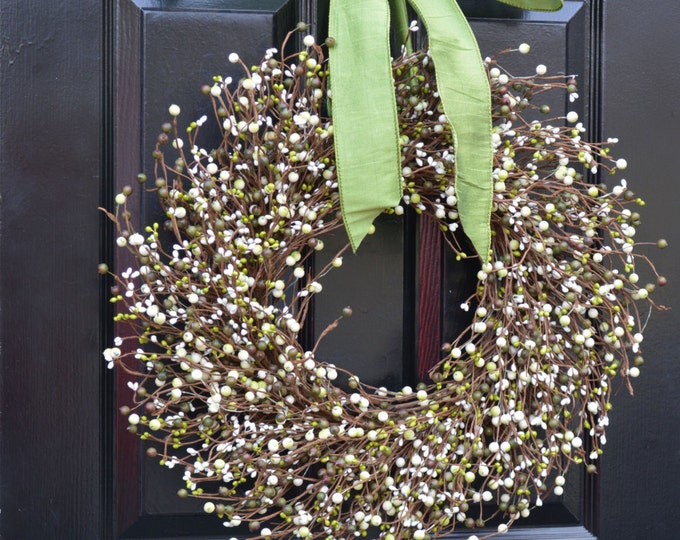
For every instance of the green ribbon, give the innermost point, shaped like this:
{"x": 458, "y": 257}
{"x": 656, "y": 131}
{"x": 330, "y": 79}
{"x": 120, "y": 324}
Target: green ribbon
{"x": 363, "y": 106}
{"x": 535, "y": 5}
{"x": 400, "y": 23}
{"x": 463, "y": 86}
{"x": 364, "y": 110}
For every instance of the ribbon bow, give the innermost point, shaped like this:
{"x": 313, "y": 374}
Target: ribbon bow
{"x": 363, "y": 106}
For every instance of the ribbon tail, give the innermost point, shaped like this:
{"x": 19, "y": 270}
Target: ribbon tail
{"x": 364, "y": 111}
{"x": 463, "y": 86}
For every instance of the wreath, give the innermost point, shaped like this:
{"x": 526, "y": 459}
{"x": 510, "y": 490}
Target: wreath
{"x": 273, "y": 437}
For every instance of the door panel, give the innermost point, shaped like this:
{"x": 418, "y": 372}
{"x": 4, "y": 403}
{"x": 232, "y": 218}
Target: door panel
{"x": 165, "y": 51}
{"x": 561, "y": 42}
{"x": 370, "y": 342}
{"x": 641, "y": 464}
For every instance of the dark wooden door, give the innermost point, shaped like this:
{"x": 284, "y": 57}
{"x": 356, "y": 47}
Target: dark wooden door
{"x": 84, "y": 86}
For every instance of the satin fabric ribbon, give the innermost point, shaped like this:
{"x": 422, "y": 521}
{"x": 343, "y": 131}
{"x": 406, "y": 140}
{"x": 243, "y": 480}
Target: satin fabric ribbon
{"x": 364, "y": 111}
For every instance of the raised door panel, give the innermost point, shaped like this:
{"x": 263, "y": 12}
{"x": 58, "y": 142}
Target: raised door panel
{"x": 165, "y": 51}
{"x": 562, "y": 42}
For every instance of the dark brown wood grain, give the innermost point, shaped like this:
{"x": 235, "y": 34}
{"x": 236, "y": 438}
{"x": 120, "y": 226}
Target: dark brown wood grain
{"x": 51, "y": 482}
{"x": 429, "y": 295}
{"x": 126, "y": 153}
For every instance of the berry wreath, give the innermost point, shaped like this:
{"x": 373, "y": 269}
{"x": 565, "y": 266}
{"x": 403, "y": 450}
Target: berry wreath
{"x": 272, "y": 436}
